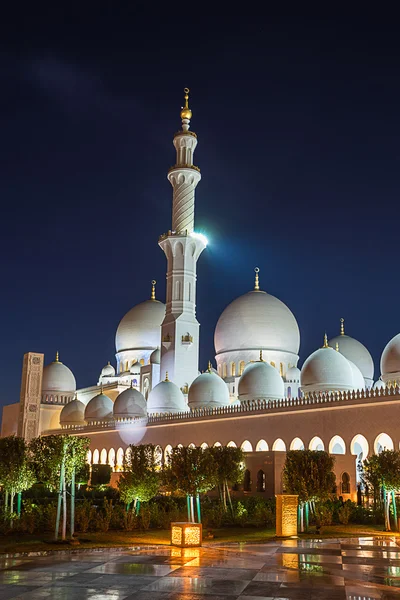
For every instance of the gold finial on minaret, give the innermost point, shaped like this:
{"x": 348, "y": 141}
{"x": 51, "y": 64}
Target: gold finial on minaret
{"x": 186, "y": 113}
{"x": 325, "y": 341}
{"x": 57, "y": 357}
{"x": 209, "y": 366}
{"x": 337, "y": 346}
{"x": 166, "y": 376}
{"x": 261, "y": 357}
{"x": 342, "y": 326}
{"x": 153, "y": 289}
{"x": 256, "y": 281}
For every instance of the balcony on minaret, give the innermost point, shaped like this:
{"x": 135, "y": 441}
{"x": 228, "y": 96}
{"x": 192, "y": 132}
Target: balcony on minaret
{"x": 167, "y": 341}
{"x": 187, "y": 340}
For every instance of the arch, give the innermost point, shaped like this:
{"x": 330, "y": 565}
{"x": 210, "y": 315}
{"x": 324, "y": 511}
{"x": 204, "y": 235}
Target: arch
{"x": 96, "y": 456}
{"x": 383, "y": 441}
{"x": 345, "y": 483}
{"x": 247, "y": 481}
{"x": 204, "y": 445}
{"x": 192, "y": 445}
{"x": 141, "y": 362}
{"x": 128, "y": 454}
{"x": 89, "y": 457}
{"x": 262, "y": 446}
{"x": 103, "y": 457}
{"x": 231, "y": 445}
{"x": 297, "y": 444}
{"x": 180, "y": 446}
{"x": 233, "y": 369}
{"x": 246, "y": 446}
{"x": 316, "y": 444}
{"x": 260, "y": 481}
{"x": 111, "y": 458}
{"x": 289, "y": 391}
{"x": 217, "y": 444}
{"x": 158, "y": 456}
{"x": 126, "y": 365}
{"x": 120, "y": 458}
{"x": 219, "y": 370}
{"x": 279, "y": 446}
{"x": 224, "y": 371}
{"x": 167, "y": 453}
{"x": 241, "y": 367}
{"x": 359, "y": 446}
{"x": 337, "y": 445}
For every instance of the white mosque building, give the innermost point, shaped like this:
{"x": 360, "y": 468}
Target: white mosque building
{"x": 257, "y": 398}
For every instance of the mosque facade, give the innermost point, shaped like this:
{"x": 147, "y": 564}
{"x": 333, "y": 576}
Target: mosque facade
{"x": 256, "y": 397}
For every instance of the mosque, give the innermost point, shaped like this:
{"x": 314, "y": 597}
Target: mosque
{"x": 256, "y": 398}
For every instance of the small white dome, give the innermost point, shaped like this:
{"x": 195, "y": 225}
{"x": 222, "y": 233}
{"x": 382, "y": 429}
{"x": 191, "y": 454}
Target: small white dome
{"x": 166, "y": 397}
{"x": 379, "y": 384}
{"x": 260, "y": 381}
{"x": 358, "y": 379}
{"x": 293, "y": 375}
{"x": 99, "y": 408}
{"x": 140, "y": 328}
{"x": 108, "y": 371}
{"x": 73, "y": 413}
{"x": 130, "y": 404}
{"x": 356, "y": 352}
{"x": 58, "y": 378}
{"x": 326, "y": 370}
{"x": 155, "y": 357}
{"x": 257, "y": 320}
{"x": 390, "y": 360}
{"x": 208, "y": 390}
{"x": 135, "y": 368}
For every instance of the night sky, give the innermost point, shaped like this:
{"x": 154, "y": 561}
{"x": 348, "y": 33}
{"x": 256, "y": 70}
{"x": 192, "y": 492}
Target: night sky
{"x": 298, "y": 127}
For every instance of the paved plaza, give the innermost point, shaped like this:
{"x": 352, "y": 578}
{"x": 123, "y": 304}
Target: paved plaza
{"x": 355, "y": 569}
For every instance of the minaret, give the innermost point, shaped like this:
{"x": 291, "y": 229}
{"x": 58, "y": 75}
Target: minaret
{"x": 182, "y": 247}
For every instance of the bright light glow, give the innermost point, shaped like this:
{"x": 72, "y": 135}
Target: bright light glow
{"x": 186, "y": 534}
{"x": 200, "y": 236}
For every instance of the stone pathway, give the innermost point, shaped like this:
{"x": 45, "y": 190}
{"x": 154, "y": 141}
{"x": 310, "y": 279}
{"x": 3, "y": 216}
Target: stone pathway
{"x": 352, "y": 569}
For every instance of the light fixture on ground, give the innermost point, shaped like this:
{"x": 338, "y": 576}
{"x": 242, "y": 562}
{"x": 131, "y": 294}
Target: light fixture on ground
{"x": 186, "y": 535}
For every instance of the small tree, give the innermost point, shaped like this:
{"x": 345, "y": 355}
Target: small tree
{"x": 190, "y": 471}
{"x": 55, "y": 459}
{"x": 309, "y": 474}
{"x": 382, "y": 472}
{"x": 16, "y": 473}
{"x": 229, "y": 468}
{"x": 140, "y": 481}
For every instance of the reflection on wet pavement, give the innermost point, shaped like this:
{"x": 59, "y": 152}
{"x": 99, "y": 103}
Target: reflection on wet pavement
{"x": 358, "y": 569}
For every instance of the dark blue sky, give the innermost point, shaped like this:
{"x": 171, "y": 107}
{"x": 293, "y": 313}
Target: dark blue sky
{"x": 298, "y": 127}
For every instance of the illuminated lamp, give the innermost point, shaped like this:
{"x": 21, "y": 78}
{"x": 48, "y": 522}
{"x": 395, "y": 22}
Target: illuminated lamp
{"x": 286, "y": 515}
{"x": 186, "y": 535}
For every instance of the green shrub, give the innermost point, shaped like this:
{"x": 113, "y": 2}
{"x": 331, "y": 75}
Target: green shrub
{"x": 344, "y": 512}
{"x": 101, "y": 475}
{"x": 85, "y": 516}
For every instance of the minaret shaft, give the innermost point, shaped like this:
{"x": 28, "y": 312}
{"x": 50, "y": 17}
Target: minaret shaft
{"x": 182, "y": 248}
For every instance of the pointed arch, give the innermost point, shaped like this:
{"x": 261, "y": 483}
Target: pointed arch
{"x": 158, "y": 456}
{"x": 231, "y": 445}
{"x": 279, "y": 445}
{"x": 103, "y": 457}
{"x": 111, "y": 458}
{"x": 316, "y": 444}
{"x": 337, "y": 445}
{"x": 204, "y": 445}
{"x": 241, "y": 367}
{"x": 383, "y": 441}
{"x": 297, "y": 444}
{"x": 217, "y": 444}
{"x": 89, "y": 457}
{"x": 260, "y": 481}
{"x": 246, "y": 446}
{"x": 120, "y": 458}
{"x": 262, "y": 446}
{"x": 96, "y": 456}
{"x": 167, "y": 454}
{"x": 359, "y": 446}
{"x": 192, "y": 445}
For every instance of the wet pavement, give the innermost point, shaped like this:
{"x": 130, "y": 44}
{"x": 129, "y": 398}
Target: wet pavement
{"x": 352, "y": 569}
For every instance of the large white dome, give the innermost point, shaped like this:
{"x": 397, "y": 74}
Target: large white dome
{"x": 326, "y": 370}
{"x": 73, "y": 413}
{"x": 208, "y": 390}
{"x": 130, "y": 404}
{"x": 141, "y": 327}
{"x": 99, "y": 408}
{"x": 358, "y": 379}
{"x": 166, "y": 397}
{"x": 257, "y": 320}
{"x": 58, "y": 378}
{"x": 356, "y": 352}
{"x": 390, "y": 359}
{"x": 108, "y": 371}
{"x": 260, "y": 381}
